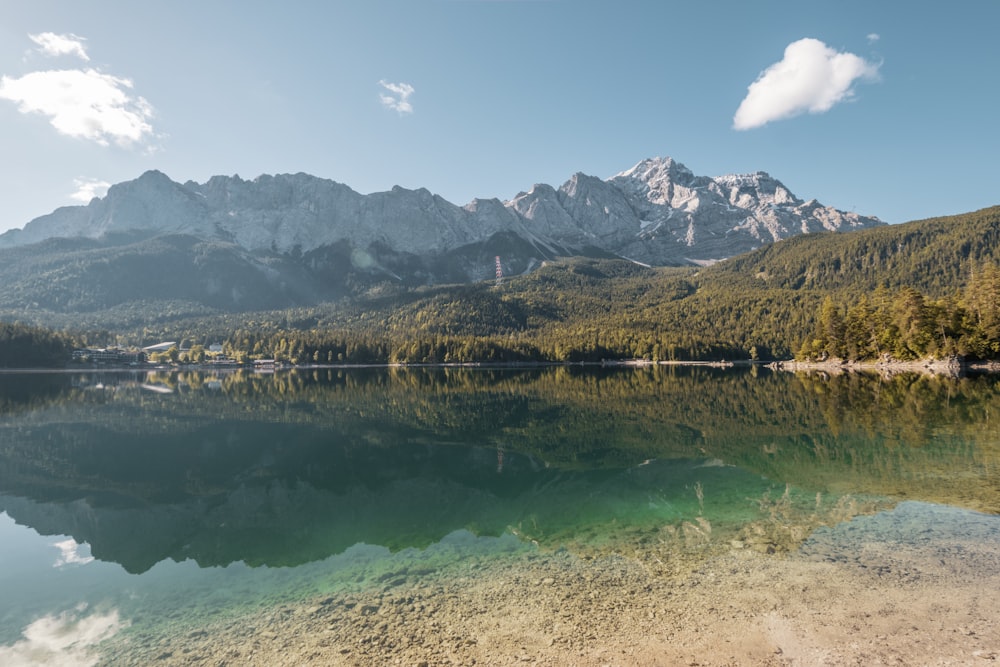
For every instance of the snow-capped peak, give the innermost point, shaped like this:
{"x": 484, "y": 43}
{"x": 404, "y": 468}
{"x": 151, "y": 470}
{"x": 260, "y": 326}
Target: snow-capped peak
{"x": 657, "y": 212}
{"x": 654, "y": 170}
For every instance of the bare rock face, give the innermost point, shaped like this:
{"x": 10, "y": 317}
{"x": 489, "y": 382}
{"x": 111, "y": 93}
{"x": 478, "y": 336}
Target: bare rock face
{"x": 661, "y": 213}
{"x": 696, "y": 218}
{"x": 151, "y": 202}
{"x": 657, "y": 212}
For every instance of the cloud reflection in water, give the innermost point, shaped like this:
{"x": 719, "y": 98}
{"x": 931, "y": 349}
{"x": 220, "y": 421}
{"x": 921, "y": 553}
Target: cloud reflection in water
{"x": 72, "y": 552}
{"x": 63, "y": 640}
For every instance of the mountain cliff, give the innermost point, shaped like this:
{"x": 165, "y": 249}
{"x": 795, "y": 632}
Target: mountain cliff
{"x": 657, "y": 212}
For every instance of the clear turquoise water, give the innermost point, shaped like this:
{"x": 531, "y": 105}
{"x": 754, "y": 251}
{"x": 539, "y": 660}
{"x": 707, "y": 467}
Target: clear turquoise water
{"x": 163, "y": 500}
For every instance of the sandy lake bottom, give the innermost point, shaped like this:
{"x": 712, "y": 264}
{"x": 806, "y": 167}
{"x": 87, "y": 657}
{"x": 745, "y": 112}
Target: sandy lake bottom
{"x": 916, "y": 585}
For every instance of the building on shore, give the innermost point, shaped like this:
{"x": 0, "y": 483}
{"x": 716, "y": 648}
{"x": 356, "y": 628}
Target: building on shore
{"x": 160, "y": 347}
{"x": 112, "y": 356}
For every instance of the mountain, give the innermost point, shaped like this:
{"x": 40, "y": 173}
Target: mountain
{"x": 763, "y": 303}
{"x": 657, "y": 211}
{"x": 295, "y": 239}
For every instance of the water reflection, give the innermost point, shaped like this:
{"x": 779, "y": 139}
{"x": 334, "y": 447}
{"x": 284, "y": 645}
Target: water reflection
{"x": 72, "y": 552}
{"x": 293, "y": 467}
{"x": 67, "y": 639}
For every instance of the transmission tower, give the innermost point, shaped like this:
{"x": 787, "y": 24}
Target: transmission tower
{"x": 499, "y": 272}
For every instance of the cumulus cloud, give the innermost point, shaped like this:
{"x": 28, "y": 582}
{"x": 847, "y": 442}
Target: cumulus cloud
{"x": 398, "y": 97}
{"x": 88, "y": 188}
{"x": 812, "y": 77}
{"x": 82, "y": 103}
{"x": 873, "y": 37}
{"x": 52, "y": 44}
{"x": 86, "y": 104}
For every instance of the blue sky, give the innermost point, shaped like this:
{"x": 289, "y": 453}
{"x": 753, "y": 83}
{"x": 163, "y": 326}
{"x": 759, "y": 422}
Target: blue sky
{"x": 887, "y": 109}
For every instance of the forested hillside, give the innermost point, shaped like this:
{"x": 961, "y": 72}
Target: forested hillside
{"x": 926, "y": 288}
{"x": 935, "y": 256}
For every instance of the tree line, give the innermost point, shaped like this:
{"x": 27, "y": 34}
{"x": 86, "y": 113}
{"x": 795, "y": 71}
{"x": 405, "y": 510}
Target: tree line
{"x": 27, "y": 346}
{"x": 906, "y": 324}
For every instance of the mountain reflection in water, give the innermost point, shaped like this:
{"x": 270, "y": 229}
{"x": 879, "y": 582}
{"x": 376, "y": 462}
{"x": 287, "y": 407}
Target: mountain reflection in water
{"x": 288, "y": 468}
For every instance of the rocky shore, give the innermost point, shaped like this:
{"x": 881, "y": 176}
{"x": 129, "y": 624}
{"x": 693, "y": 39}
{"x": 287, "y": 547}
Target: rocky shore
{"x": 951, "y": 367}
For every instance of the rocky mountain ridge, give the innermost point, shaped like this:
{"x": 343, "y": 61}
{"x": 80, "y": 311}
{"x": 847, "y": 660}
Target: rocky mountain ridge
{"x": 153, "y": 248}
{"x": 658, "y": 212}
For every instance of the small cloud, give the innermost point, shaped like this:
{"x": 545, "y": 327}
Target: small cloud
{"x": 399, "y": 99}
{"x": 52, "y": 44}
{"x": 86, "y": 104}
{"x": 873, "y": 37}
{"x": 88, "y": 188}
{"x": 811, "y": 77}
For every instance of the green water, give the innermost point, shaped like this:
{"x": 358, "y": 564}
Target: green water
{"x": 148, "y": 500}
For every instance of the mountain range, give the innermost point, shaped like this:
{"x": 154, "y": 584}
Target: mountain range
{"x": 291, "y": 239}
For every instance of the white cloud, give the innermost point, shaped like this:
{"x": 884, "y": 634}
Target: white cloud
{"x": 86, "y": 104}
{"x": 52, "y": 44}
{"x": 399, "y": 100}
{"x": 88, "y": 188}
{"x": 811, "y": 77}
{"x": 873, "y": 37}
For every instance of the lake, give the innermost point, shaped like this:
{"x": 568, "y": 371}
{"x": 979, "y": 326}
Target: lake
{"x": 558, "y": 515}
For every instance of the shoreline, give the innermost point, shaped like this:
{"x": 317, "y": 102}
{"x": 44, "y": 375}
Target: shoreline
{"x": 940, "y": 367}
{"x": 945, "y": 367}
{"x": 863, "y": 592}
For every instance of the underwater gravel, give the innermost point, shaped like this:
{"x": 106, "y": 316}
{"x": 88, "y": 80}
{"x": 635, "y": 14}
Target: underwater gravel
{"x": 915, "y": 586}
